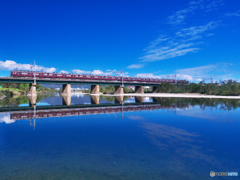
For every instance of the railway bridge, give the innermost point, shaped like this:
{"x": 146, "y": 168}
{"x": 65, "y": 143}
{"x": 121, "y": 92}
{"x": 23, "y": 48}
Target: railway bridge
{"x": 66, "y": 84}
{"x": 33, "y": 77}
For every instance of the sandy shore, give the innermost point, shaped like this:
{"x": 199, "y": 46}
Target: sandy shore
{"x": 175, "y": 95}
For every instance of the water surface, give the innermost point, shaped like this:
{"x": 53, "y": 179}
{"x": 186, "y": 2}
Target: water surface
{"x": 164, "y": 138}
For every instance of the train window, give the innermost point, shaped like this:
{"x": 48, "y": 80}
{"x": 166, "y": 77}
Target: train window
{"x": 30, "y": 73}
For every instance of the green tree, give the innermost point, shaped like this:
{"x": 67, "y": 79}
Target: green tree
{"x": 164, "y": 87}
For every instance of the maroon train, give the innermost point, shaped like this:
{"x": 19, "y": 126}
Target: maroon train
{"x": 77, "y": 112}
{"x": 91, "y": 77}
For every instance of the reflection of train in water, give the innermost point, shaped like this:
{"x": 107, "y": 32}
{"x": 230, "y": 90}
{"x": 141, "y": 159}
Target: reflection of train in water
{"x": 92, "y": 77}
{"x": 89, "y": 111}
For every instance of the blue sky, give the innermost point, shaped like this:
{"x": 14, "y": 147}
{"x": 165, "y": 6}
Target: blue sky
{"x": 193, "y": 39}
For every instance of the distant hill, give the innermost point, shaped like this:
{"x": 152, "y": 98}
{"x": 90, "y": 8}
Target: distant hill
{"x": 60, "y": 86}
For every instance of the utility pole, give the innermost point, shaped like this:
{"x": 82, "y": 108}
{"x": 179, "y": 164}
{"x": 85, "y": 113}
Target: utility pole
{"x": 32, "y": 67}
{"x": 122, "y": 111}
{"x": 34, "y": 117}
{"x": 120, "y": 72}
{"x": 34, "y": 72}
{"x": 174, "y": 76}
{"x": 122, "y": 77}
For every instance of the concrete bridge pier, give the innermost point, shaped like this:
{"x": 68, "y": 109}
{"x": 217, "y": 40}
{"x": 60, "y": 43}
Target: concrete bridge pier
{"x": 118, "y": 99}
{"x": 94, "y": 99}
{"x": 139, "y": 99}
{"x": 155, "y": 89}
{"x": 139, "y": 89}
{"x": 66, "y": 100}
{"x": 66, "y": 90}
{"x": 94, "y": 89}
{"x": 32, "y": 89}
{"x": 119, "y": 90}
{"x": 32, "y": 101}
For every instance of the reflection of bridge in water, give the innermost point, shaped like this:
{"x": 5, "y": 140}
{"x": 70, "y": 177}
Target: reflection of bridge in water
{"x": 87, "y": 109}
{"x": 35, "y": 112}
{"x": 66, "y": 100}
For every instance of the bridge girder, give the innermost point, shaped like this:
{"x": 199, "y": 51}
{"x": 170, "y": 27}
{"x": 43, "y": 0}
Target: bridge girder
{"x": 47, "y": 81}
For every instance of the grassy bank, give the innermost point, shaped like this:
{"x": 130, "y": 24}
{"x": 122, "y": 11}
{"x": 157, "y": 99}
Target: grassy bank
{"x": 16, "y": 89}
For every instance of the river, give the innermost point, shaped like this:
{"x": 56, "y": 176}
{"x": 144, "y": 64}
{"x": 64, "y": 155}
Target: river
{"x": 86, "y": 137}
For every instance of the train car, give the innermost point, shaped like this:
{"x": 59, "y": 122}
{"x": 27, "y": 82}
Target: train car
{"x": 91, "y": 77}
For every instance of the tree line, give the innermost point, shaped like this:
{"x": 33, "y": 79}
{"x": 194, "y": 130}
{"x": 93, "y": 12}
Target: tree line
{"x": 218, "y": 103}
{"x": 8, "y": 88}
{"x": 225, "y": 88}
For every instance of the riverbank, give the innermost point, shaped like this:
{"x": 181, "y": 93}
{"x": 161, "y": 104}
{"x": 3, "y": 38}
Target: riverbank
{"x": 175, "y": 95}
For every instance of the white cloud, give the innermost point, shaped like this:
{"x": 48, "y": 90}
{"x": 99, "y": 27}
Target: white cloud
{"x": 136, "y": 117}
{"x": 180, "y": 16}
{"x": 197, "y": 71}
{"x": 64, "y": 72}
{"x": 234, "y": 13}
{"x": 12, "y": 65}
{"x": 213, "y": 5}
{"x": 100, "y": 72}
{"x": 95, "y": 72}
{"x": 216, "y": 72}
{"x": 196, "y": 30}
{"x": 195, "y": 2}
{"x": 184, "y": 41}
{"x": 210, "y": 34}
{"x": 187, "y": 77}
{"x": 147, "y": 75}
{"x": 6, "y": 118}
{"x": 77, "y": 71}
{"x": 136, "y": 66}
{"x": 170, "y": 51}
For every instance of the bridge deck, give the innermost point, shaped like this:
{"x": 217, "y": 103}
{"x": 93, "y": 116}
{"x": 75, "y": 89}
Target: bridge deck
{"x": 74, "y": 81}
